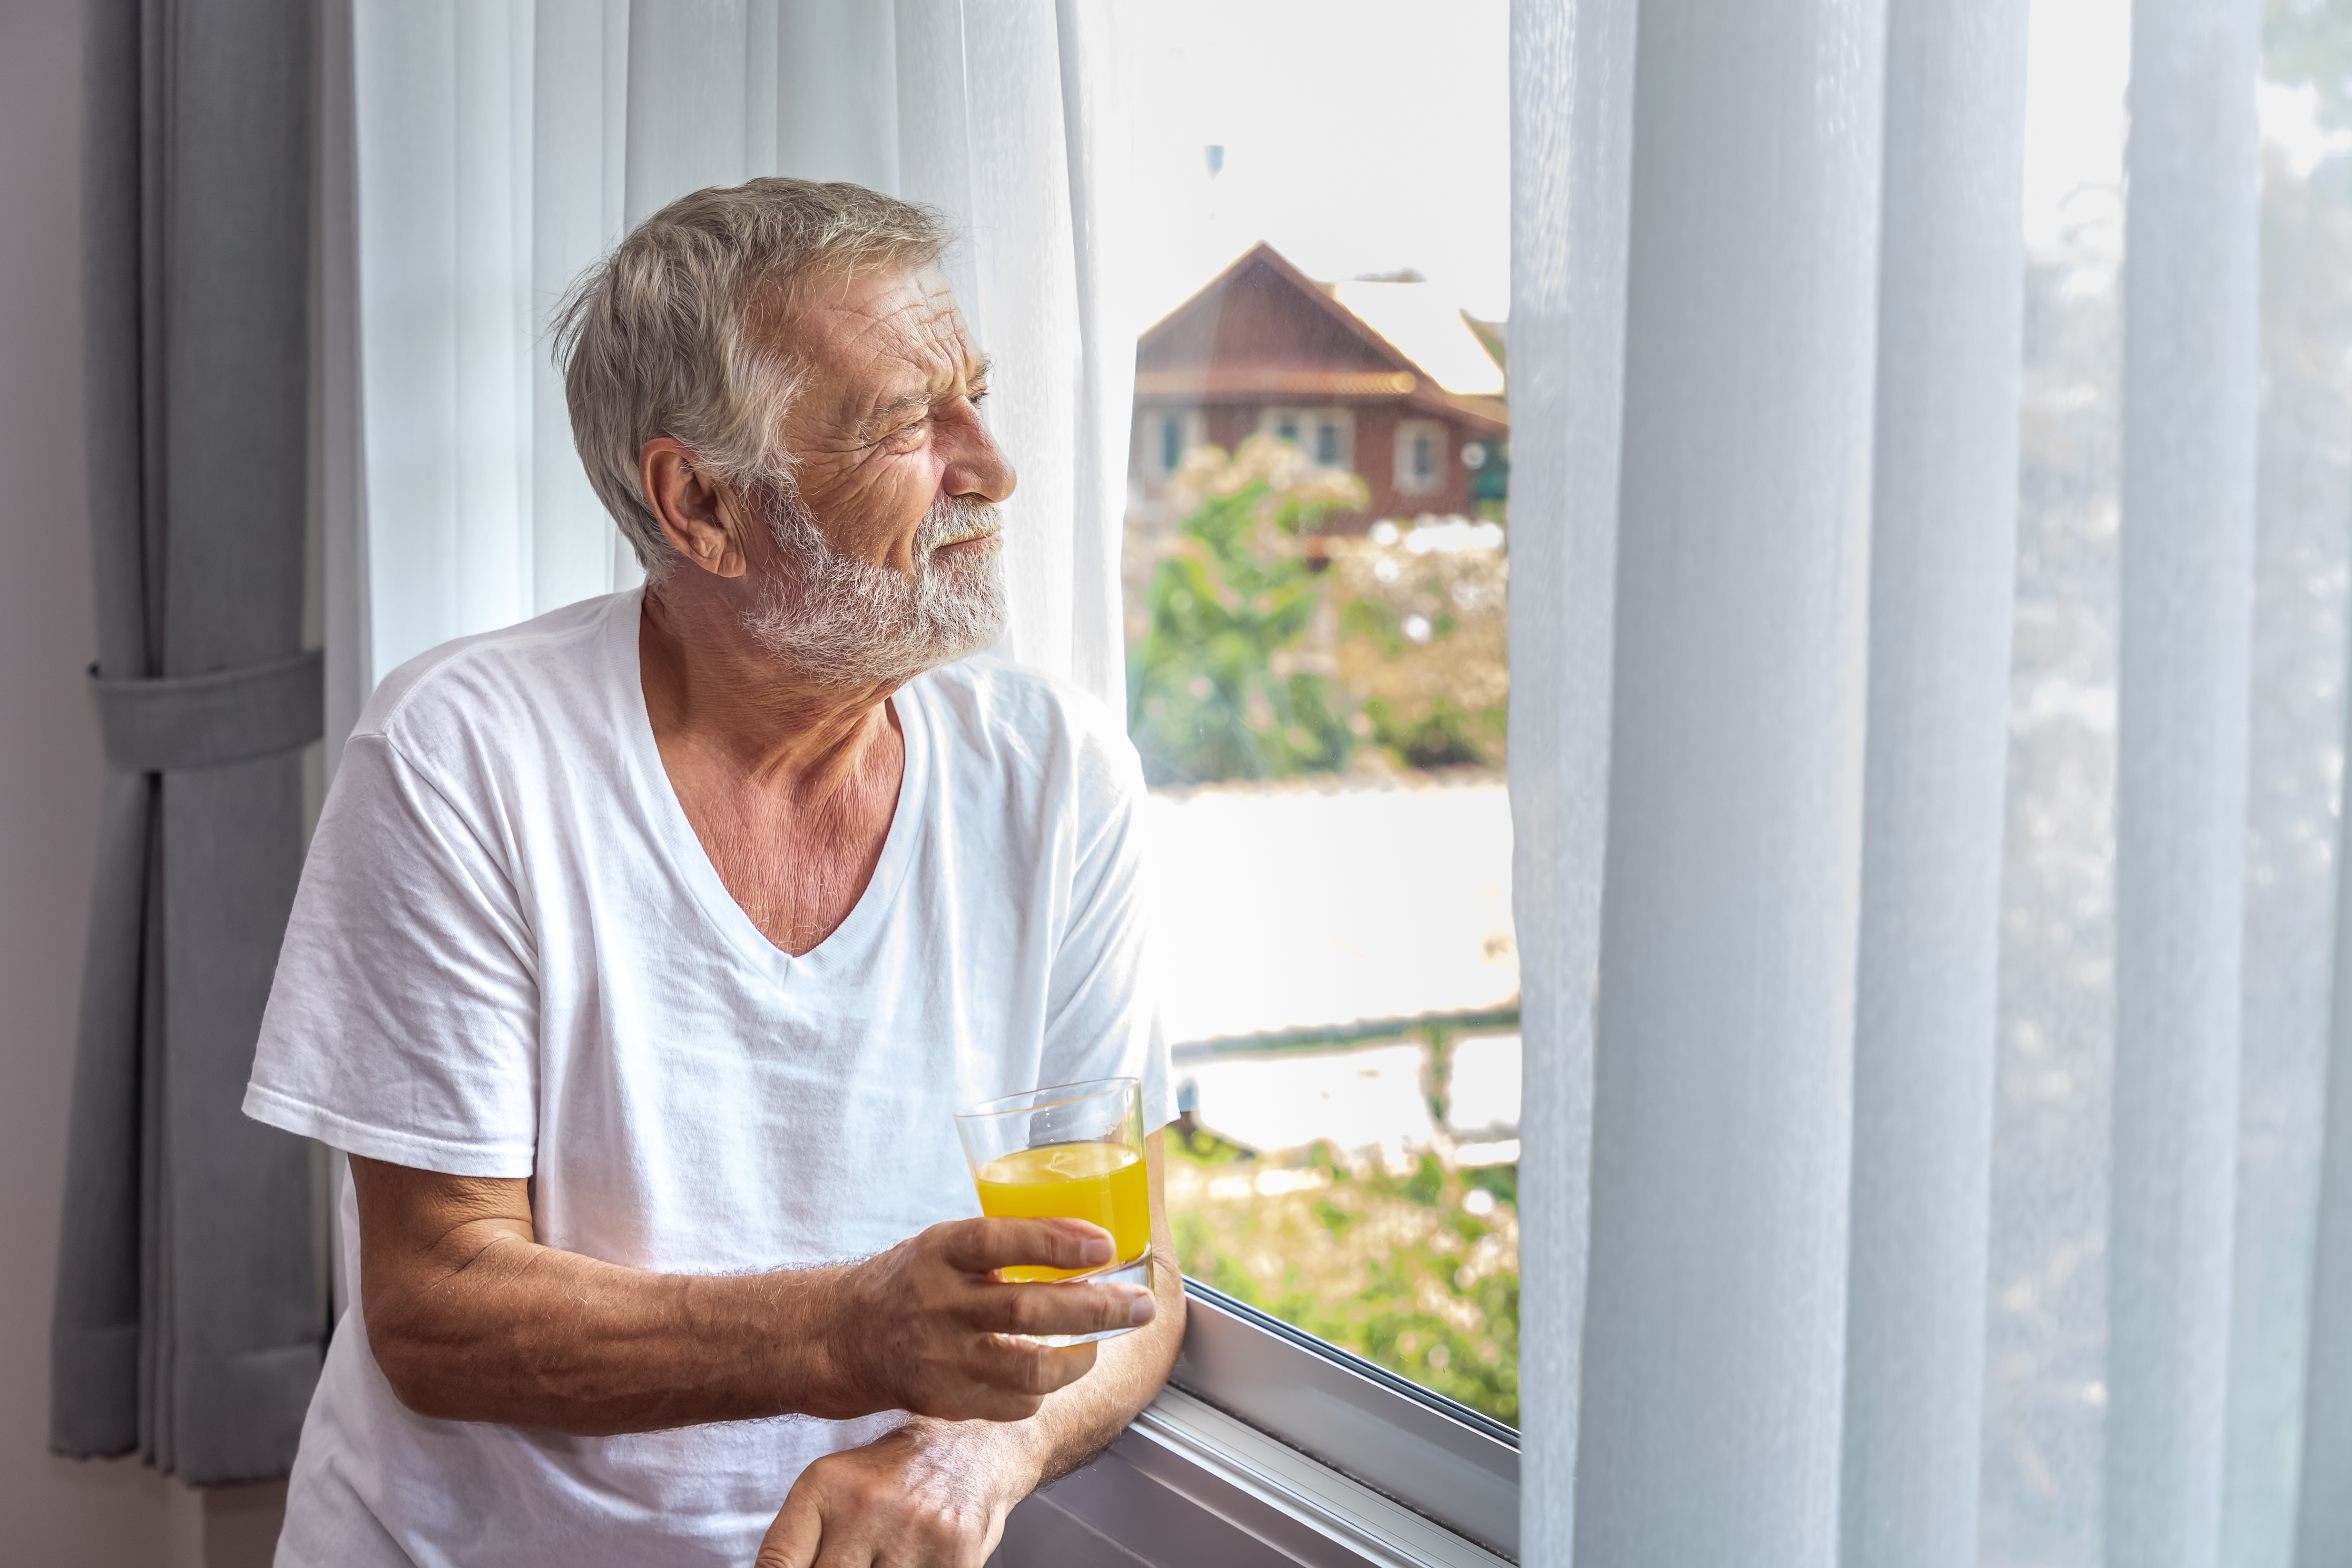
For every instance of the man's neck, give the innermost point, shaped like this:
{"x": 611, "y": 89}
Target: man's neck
{"x": 713, "y": 691}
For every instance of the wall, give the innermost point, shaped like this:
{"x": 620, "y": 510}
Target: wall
{"x": 57, "y": 1513}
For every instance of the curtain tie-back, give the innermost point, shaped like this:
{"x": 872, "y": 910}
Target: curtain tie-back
{"x": 174, "y": 723}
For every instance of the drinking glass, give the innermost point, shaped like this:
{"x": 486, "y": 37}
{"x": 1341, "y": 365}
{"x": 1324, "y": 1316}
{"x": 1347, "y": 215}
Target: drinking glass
{"x": 1070, "y": 1150}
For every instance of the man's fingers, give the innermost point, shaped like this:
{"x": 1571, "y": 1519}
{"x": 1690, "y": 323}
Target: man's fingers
{"x": 1006, "y": 1379}
{"x": 792, "y": 1541}
{"x": 979, "y": 1246}
{"x": 1072, "y": 1308}
{"x": 846, "y": 1553}
{"x": 1019, "y": 1367}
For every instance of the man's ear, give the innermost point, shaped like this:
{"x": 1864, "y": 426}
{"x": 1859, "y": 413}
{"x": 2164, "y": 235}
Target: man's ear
{"x": 702, "y": 522}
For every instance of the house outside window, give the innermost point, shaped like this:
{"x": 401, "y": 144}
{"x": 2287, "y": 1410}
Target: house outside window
{"x": 1329, "y": 368}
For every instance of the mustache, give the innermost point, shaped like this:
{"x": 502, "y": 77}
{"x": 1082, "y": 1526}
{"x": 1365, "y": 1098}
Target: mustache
{"x": 951, "y": 520}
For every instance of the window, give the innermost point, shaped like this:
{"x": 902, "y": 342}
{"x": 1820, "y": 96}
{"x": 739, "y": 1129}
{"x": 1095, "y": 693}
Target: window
{"x": 1420, "y": 457}
{"x": 2053, "y": 1443}
{"x": 1326, "y": 435}
{"x": 1324, "y": 731}
{"x": 1162, "y": 437}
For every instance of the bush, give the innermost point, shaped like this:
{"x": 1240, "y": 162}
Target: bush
{"x": 1268, "y": 649}
{"x": 1395, "y": 1269}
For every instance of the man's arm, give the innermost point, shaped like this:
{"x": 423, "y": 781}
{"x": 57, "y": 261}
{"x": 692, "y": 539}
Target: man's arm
{"x": 472, "y": 1320}
{"x": 938, "y": 1491}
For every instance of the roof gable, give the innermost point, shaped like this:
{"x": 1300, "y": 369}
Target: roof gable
{"x": 1434, "y": 337}
{"x": 1262, "y": 311}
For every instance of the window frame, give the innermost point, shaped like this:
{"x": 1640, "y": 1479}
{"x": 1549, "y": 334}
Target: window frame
{"x": 1269, "y": 1446}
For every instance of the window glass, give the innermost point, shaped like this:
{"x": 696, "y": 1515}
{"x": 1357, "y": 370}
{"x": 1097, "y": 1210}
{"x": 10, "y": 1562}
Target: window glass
{"x": 1317, "y": 678}
{"x": 2047, "y": 1404}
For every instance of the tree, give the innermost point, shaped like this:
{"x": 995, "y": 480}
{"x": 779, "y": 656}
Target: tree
{"x": 1216, "y": 690}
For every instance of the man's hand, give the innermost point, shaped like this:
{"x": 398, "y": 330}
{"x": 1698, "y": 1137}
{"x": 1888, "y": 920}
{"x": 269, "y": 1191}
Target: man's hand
{"x": 929, "y": 1328}
{"x": 936, "y": 1492}
{"x": 931, "y": 1493}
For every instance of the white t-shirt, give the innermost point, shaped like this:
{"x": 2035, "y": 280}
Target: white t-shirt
{"x": 510, "y": 957}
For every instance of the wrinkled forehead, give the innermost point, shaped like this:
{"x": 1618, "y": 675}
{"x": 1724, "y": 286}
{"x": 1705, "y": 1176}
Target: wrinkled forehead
{"x": 882, "y": 332}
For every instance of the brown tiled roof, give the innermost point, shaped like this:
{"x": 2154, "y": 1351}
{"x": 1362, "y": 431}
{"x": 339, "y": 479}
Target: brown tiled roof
{"x": 1274, "y": 380}
{"x": 1192, "y": 354}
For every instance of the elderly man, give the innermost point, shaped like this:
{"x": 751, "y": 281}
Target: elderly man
{"x": 645, "y": 949}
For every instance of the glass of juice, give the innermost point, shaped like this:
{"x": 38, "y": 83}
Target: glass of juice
{"x": 1070, "y": 1150}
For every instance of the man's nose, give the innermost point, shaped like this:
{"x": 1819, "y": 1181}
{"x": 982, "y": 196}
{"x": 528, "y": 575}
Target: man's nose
{"x": 979, "y": 467}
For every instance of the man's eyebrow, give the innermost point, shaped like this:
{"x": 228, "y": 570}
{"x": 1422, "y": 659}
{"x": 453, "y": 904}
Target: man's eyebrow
{"x": 874, "y": 422}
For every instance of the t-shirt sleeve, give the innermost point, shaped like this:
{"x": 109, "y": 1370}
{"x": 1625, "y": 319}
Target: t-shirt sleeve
{"x": 1102, "y": 1013}
{"x": 403, "y": 1022}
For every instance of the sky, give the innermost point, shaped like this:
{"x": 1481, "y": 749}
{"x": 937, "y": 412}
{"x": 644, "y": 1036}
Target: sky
{"x": 1374, "y": 135}
{"x": 1362, "y": 137}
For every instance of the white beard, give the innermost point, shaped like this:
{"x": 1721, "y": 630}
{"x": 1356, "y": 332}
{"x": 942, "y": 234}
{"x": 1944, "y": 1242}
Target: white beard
{"x": 846, "y": 621}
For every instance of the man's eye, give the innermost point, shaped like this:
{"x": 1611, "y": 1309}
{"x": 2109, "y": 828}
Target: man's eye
{"x": 976, "y": 397}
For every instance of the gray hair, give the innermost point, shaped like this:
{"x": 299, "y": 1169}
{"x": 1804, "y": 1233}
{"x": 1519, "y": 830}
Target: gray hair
{"x": 680, "y": 331}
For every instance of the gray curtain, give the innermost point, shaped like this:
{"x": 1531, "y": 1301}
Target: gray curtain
{"x": 188, "y": 1323}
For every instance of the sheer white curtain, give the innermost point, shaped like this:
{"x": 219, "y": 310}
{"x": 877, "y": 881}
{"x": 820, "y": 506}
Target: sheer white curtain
{"x": 1782, "y": 1162}
{"x": 479, "y": 154}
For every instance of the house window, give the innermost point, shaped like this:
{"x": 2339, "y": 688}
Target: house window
{"x": 1327, "y": 434}
{"x": 1162, "y": 437}
{"x": 1420, "y": 457}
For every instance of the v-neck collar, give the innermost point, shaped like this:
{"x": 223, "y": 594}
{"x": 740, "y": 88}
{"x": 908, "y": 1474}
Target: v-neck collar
{"x": 691, "y": 863}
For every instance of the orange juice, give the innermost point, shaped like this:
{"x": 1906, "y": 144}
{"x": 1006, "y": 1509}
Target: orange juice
{"x": 1099, "y": 1182}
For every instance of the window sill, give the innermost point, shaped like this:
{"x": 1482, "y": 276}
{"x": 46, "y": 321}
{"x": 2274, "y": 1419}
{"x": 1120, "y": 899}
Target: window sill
{"x": 1191, "y": 1484}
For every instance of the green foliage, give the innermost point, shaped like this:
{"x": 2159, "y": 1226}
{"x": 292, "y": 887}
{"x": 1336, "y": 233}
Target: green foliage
{"x": 1265, "y": 649}
{"x": 1392, "y": 1269}
{"x": 1445, "y": 734}
{"x": 1426, "y": 1183}
{"x": 1502, "y": 1180}
{"x": 1206, "y": 697}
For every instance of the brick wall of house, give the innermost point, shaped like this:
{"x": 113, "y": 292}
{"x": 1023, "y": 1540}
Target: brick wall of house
{"x": 1227, "y": 424}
